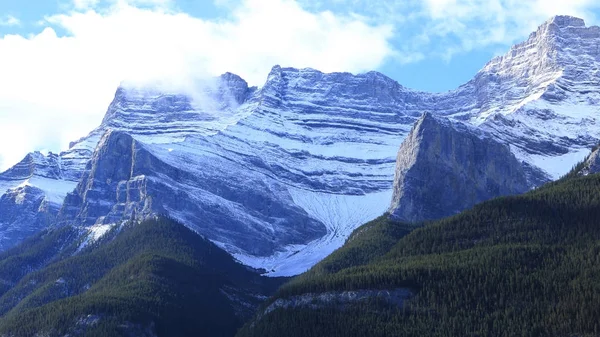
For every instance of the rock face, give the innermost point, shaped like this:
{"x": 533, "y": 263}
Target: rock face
{"x": 339, "y": 299}
{"x": 548, "y": 112}
{"x": 106, "y": 184}
{"x": 25, "y": 211}
{"x": 280, "y": 175}
{"x": 591, "y": 165}
{"x": 32, "y": 192}
{"x": 125, "y": 180}
{"x": 445, "y": 167}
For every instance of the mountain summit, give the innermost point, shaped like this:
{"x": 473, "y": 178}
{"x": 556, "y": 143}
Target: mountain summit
{"x": 280, "y": 175}
{"x": 445, "y": 167}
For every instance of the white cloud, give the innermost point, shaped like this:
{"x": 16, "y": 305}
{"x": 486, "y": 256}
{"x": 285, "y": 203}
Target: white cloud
{"x": 443, "y": 28}
{"x": 55, "y": 89}
{"x": 93, "y": 4}
{"x": 85, "y": 4}
{"x": 465, "y": 25}
{"x": 9, "y": 20}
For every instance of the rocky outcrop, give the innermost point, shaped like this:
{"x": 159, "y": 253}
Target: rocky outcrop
{"x": 591, "y": 165}
{"x": 340, "y": 299}
{"x": 105, "y": 193}
{"x": 126, "y": 180}
{"x": 25, "y": 211}
{"x": 34, "y": 163}
{"x": 445, "y": 167}
{"x": 31, "y": 193}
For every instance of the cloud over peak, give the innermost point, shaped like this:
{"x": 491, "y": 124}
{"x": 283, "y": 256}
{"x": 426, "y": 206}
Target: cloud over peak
{"x": 56, "y": 84}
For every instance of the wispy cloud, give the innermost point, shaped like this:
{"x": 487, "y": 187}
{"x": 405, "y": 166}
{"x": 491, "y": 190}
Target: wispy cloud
{"x": 95, "y": 4}
{"x": 55, "y": 88}
{"x": 465, "y": 25}
{"x": 444, "y": 28}
{"x": 9, "y": 20}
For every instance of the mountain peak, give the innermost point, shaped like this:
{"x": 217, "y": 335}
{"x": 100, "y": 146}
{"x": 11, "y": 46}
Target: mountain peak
{"x": 564, "y": 21}
{"x": 34, "y": 163}
{"x": 426, "y": 121}
{"x": 429, "y": 117}
{"x": 444, "y": 167}
{"x": 275, "y": 72}
{"x": 560, "y": 26}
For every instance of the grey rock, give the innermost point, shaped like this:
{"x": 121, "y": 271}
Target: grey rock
{"x": 34, "y": 163}
{"x": 591, "y": 165}
{"x": 339, "y": 299}
{"x": 445, "y": 167}
{"x": 25, "y": 211}
{"x": 125, "y": 180}
{"x": 25, "y": 208}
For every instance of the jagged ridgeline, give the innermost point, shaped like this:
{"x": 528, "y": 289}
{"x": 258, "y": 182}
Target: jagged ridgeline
{"x": 279, "y": 175}
{"x": 525, "y": 265}
{"x": 155, "y": 278}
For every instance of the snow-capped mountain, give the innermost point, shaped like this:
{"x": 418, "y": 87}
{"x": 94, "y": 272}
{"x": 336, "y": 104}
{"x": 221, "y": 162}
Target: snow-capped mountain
{"x": 280, "y": 175}
{"x": 267, "y": 175}
{"x": 547, "y": 93}
{"x": 32, "y": 192}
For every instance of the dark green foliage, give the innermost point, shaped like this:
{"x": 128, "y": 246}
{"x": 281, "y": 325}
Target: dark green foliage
{"x": 365, "y": 244}
{"x": 153, "y": 277}
{"x": 515, "y": 266}
{"x": 33, "y": 254}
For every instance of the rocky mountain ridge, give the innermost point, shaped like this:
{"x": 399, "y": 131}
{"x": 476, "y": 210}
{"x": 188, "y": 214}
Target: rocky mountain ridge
{"x": 444, "y": 167}
{"x": 280, "y": 175}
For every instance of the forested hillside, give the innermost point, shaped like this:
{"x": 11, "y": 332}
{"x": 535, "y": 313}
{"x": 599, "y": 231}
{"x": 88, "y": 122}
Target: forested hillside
{"x": 525, "y": 265}
{"x": 153, "y": 278}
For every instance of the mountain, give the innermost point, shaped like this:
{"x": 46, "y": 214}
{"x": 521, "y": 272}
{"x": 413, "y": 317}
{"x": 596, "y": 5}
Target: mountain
{"x": 154, "y": 278}
{"x": 522, "y": 265}
{"x": 32, "y": 193}
{"x": 444, "y": 167}
{"x": 550, "y": 83}
{"x": 279, "y": 176}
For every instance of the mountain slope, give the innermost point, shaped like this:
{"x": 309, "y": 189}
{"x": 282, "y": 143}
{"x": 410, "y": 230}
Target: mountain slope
{"x": 520, "y": 265}
{"x": 127, "y": 180}
{"x": 31, "y": 193}
{"x": 550, "y": 86}
{"x": 321, "y": 147}
{"x": 154, "y": 278}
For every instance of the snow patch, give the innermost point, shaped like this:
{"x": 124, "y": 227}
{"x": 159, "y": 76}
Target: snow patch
{"x": 94, "y": 233}
{"x": 55, "y": 190}
{"x": 341, "y": 214}
{"x": 558, "y": 166}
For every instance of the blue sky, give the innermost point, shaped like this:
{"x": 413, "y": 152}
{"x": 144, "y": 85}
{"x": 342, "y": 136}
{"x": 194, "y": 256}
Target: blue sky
{"x": 434, "y": 72}
{"x": 61, "y": 60}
